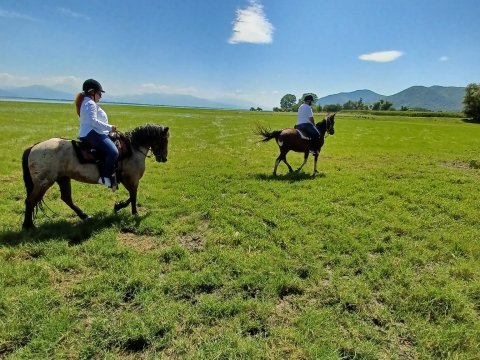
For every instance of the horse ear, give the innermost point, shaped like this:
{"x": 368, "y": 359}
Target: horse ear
{"x": 165, "y": 129}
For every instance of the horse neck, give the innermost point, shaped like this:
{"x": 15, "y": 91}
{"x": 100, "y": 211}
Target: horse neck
{"x": 322, "y": 127}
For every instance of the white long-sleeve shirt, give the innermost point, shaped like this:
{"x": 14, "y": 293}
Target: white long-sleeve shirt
{"x": 92, "y": 117}
{"x": 305, "y": 112}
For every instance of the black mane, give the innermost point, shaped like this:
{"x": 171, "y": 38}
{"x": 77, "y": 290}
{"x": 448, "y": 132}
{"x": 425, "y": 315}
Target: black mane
{"x": 146, "y": 135}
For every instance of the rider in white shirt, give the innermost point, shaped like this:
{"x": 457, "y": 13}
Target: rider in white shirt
{"x": 94, "y": 128}
{"x": 306, "y": 123}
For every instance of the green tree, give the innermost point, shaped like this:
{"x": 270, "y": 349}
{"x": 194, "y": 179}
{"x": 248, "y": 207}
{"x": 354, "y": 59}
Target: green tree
{"x": 349, "y": 105}
{"x": 287, "y": 102}
{"x": 332, "y": 107}
{"x": 382, "y": 105}
{"x": 471, "y": 101}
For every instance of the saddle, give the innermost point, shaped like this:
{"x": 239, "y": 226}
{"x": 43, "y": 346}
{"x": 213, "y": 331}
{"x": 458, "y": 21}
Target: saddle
{"x": 89, "y": 155}
{"x": 303, "y": 135}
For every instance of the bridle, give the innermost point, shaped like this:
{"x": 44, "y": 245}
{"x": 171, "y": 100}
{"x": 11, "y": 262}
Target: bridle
{"x": 327, "y": 126}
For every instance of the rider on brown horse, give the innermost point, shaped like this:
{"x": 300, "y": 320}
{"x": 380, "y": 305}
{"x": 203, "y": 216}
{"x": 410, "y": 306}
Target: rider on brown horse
{"x": 306, "y": 124}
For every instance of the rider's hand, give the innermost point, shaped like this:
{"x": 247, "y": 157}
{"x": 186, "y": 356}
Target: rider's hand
{"x": 114, "y": 128}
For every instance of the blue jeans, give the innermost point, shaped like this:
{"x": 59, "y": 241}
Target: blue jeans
{"x": 107, "y": 148}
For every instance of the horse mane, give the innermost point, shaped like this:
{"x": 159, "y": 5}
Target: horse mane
{"x": 145, "y": 135}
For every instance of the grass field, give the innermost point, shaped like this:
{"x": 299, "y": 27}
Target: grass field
{"x": 378, "y": 257}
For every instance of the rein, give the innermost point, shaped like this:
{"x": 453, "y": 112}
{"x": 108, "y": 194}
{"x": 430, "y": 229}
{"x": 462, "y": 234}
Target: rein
{"x": 144, "y": 154}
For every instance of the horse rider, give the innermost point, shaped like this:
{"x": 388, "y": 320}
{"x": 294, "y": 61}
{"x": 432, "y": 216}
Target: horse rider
{"x": 94, "y": 129}
{"x": 306, "y": 124}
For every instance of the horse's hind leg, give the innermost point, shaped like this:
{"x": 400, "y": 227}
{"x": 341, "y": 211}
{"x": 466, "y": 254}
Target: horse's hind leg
{"x": 32, "y": 200}
{"x": 281, "y": 157}
{"x": 66, "y": 196}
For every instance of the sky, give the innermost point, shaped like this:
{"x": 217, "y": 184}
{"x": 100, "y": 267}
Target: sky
{"x": 249, "y": 50}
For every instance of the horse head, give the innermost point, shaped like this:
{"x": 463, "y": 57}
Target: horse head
{"x": 160, "y": 147}
{"x": 153, "y": 137}
{"x": 330, "y": 123}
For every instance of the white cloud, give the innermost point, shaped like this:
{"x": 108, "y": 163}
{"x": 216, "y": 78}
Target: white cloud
{"x": 73, "y": 14}
{"x": 443, "y": 58}
{"x": 157, "y": 88}
{"x": 252, "y": 25}
{"x": 15, "y": 15}
{"x": 12, "y": 80}
{"x": 381, "y": 56}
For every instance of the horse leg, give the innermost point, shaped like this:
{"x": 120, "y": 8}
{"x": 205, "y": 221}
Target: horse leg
{"x": 305, "y": 158}
{"x": 121, "y": 204}
{"x": 66, "y": 195}
{"x": 315, "y": 158}
{"x": 32, "y": 200}
{"x": 132, "y": 190}
{"x": 279, "y": 158}
{"x": 286, "y": 163}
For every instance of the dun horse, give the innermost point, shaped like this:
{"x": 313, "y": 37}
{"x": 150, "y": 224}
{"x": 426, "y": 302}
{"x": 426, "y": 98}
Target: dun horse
{"x": 56, "y": 160}
{"x": 292, "y": 139}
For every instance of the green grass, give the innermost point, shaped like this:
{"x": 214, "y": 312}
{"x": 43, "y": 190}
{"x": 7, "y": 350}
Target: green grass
{"x": 378, "y": 257}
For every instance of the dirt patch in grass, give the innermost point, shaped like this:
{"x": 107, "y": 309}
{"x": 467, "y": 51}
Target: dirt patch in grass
{"x": 464, "y": 165}
{"x": 195, "y": 241}
{"x": 140, "y": 243}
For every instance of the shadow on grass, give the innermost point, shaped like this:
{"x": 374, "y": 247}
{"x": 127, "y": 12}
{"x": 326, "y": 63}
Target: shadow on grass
{"x": 290, "y": 177}
{"x": 471, "y": 121}
{"x": 65, "y": 230}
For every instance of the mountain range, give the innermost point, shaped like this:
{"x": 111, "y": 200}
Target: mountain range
{"x": 46, "y": 93}
{"x": 435, "y": 98}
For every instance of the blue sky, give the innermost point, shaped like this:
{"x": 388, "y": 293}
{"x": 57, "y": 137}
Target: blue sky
{"x": 254, "y": 51}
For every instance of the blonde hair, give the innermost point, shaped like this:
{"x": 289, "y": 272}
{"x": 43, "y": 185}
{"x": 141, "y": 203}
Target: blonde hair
{"x": 78, "y": 101}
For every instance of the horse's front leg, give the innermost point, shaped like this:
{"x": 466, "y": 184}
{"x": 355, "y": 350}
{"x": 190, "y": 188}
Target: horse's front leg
{"x": 315, "y": 158}
{"x": 305, "y": 158}
{"x": 132, "y": 190}
{"x": 66, "y": 195}
{"x": 121, "y": 204}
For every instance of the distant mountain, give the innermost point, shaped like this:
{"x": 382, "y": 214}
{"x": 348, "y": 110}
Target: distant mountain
{"x": 37, "y": 92}
{"x": 435, "y": 98}
{"x": 173, "y": 100}
{"x": 43, "y": 92}
{"x": 368, "y": 97}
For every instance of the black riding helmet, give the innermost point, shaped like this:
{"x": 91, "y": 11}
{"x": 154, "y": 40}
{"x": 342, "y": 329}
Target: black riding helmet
{"x": 92, "y": 85}
{"x": 308, "y": 98}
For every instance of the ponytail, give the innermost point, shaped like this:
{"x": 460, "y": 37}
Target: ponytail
{"x": 78, "y": 101}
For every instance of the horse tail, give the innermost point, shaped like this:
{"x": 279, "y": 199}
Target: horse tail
{"x": 27, "y": 177}
{"x": 267, "y": 133}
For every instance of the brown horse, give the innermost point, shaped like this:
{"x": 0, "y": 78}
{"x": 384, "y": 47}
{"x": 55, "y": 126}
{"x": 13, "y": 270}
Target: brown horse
{"x": 291, "y": 139}
{"x": 55, "y": 160}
